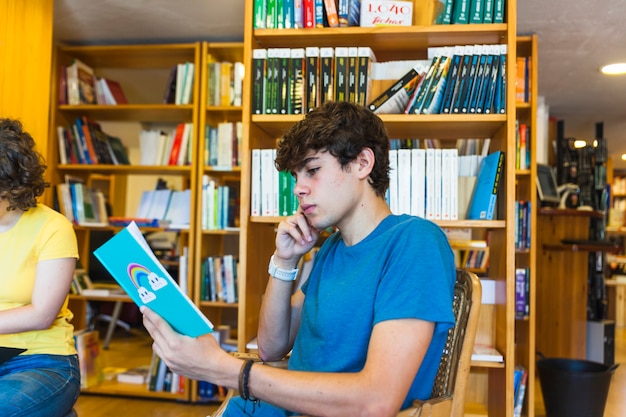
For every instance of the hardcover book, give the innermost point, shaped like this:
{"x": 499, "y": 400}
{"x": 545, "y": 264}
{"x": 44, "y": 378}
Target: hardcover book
{"x": 129, "y": 259}
{"x": 483, "y": 203}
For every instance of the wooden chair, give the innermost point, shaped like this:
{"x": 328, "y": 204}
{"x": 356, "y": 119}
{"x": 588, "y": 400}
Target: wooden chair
{"x": 448, "y": 394}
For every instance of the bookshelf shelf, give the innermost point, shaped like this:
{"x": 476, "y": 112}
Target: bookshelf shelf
{"x": 442, "y": 126}
{"x": 126, "y": 169}
{"x": 133, "y": 112}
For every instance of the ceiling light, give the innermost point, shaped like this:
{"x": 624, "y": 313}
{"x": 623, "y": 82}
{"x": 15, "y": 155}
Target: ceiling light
{"x": 580, "y": 144}
{"x": 624, "y": 156}
{"x": 614, "y": 69}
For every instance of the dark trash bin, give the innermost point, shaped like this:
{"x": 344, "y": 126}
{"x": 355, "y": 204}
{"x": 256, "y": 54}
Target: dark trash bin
{"x": 574, "y": 387}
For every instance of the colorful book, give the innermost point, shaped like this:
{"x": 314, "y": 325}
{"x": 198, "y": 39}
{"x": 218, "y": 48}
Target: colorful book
{"x": 395, "y": 98}
{"x": 129, "y": 259}
{"x": 483, "y": 202}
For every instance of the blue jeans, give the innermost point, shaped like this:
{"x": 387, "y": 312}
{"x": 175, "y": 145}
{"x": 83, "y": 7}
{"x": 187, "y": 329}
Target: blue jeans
{"x": 39, "y": 385}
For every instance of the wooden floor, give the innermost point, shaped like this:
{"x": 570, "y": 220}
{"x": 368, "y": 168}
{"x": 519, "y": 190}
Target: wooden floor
{"x": 89, "y": 405}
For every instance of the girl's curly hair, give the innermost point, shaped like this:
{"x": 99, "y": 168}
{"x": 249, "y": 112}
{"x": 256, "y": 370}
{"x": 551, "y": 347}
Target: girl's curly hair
{"x": 21, "y": 167}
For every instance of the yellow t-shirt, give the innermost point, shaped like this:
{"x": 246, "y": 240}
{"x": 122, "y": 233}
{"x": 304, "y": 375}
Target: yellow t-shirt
{"x": 40, "y": 234}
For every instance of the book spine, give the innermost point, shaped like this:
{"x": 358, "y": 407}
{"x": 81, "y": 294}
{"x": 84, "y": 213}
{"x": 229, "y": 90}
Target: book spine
{"x": 460, "y": 11}
{"x": 259, "y": 14}
{"x": 327, "y": 74}
{"x": 476, "y": 11}
{"x": 520, "y": 292}
{"x": 308, "y": 13}
{"x": 498, "y": 11}
{"x": 387, "y": 95}
{"x": 259, "y": 61}
{"x": 341, "y": 73}
{"x": 297, "y": 81}
{"x": 332, "y": 16}
{"x": 284, "y": 96}
{"x": 352, "y": 78}
{"x": 365, "y": 57}
{"x": 312, "y": 77}
{"x": 343, "y": 12}
{"x": 488, "y": 11}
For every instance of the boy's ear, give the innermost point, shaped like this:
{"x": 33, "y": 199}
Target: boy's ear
{"x": 365, "y": 162}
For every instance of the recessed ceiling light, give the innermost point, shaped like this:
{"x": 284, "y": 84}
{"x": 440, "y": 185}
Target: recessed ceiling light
{"x": 614, "y": 69}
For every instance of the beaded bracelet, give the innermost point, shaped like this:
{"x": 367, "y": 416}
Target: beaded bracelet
{"x": 244, "y": 379}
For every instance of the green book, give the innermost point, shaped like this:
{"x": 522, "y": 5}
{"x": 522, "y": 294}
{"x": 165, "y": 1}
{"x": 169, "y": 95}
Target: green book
{"x": 498, "y": 11}
{"x": 476, "y": 11}
{"x": 488, "y": 11}
{"x": 460, "y": 11}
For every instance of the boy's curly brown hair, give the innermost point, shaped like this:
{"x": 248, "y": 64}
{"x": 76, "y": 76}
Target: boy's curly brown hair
{"x": 343, "y": 129}
{"x": 21, "y": 167}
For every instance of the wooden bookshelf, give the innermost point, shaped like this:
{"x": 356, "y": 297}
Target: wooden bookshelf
{"x": 491, "y": 391}
{"x": 139, "y": 68}
{"x": 525, "y": 190}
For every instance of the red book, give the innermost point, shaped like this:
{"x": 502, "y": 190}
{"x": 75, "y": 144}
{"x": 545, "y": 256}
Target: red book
{"x": 308, "y": 12}
{"x": 176, "y": 145}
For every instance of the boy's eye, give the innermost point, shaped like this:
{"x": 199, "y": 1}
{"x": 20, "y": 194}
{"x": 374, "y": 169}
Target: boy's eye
{"x": 312, "y": 171}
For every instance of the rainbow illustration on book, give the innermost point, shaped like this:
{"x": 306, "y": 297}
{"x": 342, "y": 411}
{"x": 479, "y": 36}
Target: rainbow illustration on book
{"x": 139, "y": 274}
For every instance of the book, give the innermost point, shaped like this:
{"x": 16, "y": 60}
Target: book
{"x": 89, "y": 358}
{"x": 138, "y": 375}
{"x": 112, "y": 91}
{"x": 483, "y": 202}
{"x": 386, "y": 13}
{"x": 521, "y": 390}
{"x": 7, "y": 353}
{"x": 395, "y": 98}
{"x": 131, "y": 262}
{"x": 486, "y": 353}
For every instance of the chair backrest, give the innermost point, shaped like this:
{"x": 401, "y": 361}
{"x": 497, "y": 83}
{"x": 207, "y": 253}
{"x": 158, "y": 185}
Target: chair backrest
{"x": 453, "y": 373}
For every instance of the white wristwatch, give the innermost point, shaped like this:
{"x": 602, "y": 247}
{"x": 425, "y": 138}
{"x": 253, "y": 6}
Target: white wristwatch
{"x": 281, "y": 274}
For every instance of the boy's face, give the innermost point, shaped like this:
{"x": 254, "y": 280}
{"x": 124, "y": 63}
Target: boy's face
{"x": 326, "y": 193}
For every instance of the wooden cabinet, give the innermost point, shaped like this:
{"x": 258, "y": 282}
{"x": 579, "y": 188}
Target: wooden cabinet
{"x": 527, "y": 202}
{"x": 562, "y": 282}
{"x": 492, "y": 384}
{"x": 143, "y": 72}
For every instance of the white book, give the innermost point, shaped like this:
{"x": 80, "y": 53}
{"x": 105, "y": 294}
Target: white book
{"x": 149, "y": 147}
{"x": 393, "y": 181}
{"x": 418, "y": 182}
{"x": 145, "y": 202}
{"x": 178, "y": 213}
{"x": 255, "y": 183}
{"x": 275, "y": 186}
{"x": 239, "y": 72}
{"x": 446, "y": 183}
{"x": 188, "y": 84}
{"x": 183, "y": 155}
{"x": 225, "y": 144}
{"x": 62, "y": 147}
{"x": 180, "y": 82}
{"x": 160, "y": 204}
{"x": 267, "y": 182}
{"x": 430, "y": 183}
{"x": 404, "y": 181}
{"x": 438, "y": 189}
{"x": 454, "y": 184}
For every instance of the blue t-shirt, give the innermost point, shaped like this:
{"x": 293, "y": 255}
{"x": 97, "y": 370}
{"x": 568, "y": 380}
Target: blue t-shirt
{"x": 403, "y": 269}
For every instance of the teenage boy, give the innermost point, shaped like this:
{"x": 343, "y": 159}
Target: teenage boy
{"x": 367, "y": 329}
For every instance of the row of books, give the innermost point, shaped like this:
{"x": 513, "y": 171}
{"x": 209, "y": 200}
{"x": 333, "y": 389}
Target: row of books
{"x": 522, "y": 224}
{"x": 222, "y": 144}
{"x": 84, "y": 142}
{"x": 179, "y": 87}
{"x": 271, "y": 190}
{"x": 438, "y": 184}
{"x": 522, "y": 146}
{"x": 520, "y": 375}
{"x": 522, "y": 288}
{"x": 297, "y": 14}
{"x": 471, "y": 12}
{"x": 220, "y": 205}
{"x": 467, "y": 79}
{"x": 159, "y": 147}
{"x": 219, "y": 279}
{"x": 79, "y": 85}
{"x": 225, "y": 84}
{"x": 82, "y": 205}
{"x": 173, "y": 207}
{"x": 296, "y": 80}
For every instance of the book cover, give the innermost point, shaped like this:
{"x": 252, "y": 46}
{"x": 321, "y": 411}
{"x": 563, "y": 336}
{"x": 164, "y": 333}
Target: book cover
{"x": 86, "y": 83}
{"x": 129, "y": 259}
{"x": 498, "y": 11}
{"x": 476, "y": 11}
{"x": 483, "y": 202}
{"x": 327, "y": 76}
{"x": 259, "y": 59}
{"x": 520, "y": 292}
{"x": 395, "y": 98}
{"x": 7, "y": 353}
{"x": 312, "y": 81}
{"x": 89, "y": 358}
{"x": 330, "y": 7}
{"x": 341, "y": 73}
{"x": 488, "y": 11}
{"x": 297, "y": 81}
{"x": 460, "y": 11}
